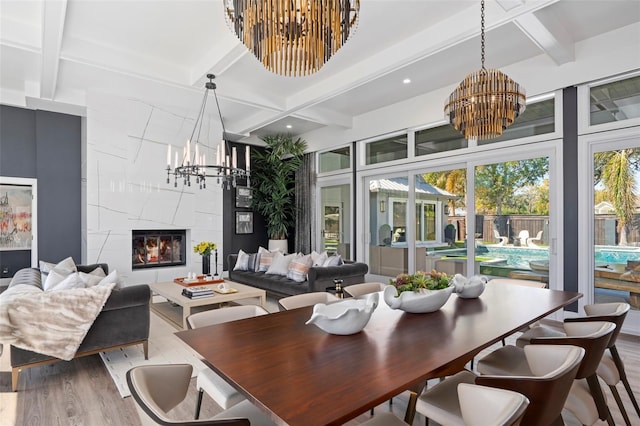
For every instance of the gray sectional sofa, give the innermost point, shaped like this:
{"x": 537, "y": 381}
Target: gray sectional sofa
{"x": 319, "y": 278}
{"x": 124, "y": 321}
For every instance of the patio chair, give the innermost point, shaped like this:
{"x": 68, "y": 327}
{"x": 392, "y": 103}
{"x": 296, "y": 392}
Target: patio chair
{"x": 537, "y": 238}
{"x": 502, "y": 240}
{"x": 523, "y": 237}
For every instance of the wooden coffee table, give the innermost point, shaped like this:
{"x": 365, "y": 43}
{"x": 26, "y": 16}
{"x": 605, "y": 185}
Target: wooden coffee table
{"x": 173, "y": 293}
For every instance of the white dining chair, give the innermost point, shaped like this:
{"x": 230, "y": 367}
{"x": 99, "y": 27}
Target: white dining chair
{"x": 586, "y": 400}
{"x": 225, "y": 395}
{"x": 611, "y": 367}
{"x": 306, "y": 299}
{"x": 356, "y": 290}
{"x": 157, "y": 389}
{"x": 550, "y": 370}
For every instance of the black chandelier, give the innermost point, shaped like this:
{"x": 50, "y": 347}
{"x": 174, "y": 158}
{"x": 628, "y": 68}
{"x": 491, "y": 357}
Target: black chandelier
{"x": 193, "y": 164}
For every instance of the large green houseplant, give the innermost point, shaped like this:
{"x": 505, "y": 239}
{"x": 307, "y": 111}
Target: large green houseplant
{"x": 272, "y": 178}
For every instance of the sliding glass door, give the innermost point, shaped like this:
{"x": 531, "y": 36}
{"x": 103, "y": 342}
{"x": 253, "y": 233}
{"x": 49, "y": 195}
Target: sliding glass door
{"x": 335, "y": 223}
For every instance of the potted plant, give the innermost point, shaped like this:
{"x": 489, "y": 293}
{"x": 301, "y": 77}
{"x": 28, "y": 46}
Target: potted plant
{"x": 420, "y": 292}
{"x": 273, "y": 177}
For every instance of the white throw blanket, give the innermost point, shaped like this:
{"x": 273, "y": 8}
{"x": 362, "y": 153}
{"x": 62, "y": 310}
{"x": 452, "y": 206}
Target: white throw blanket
{"x": 53, "y": 323}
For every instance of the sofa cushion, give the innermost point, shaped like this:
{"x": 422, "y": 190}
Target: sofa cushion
{"x": 242, "y": 264}
{"x": 113, "y": 277}
{"x": 299, "y": 267}
{"x": 319, "y": 258}
{"x": 57, "y": 282}
{"x": 335, "y": 260}
{"x": 92, "y": 278}
{"x": 280, "y": 264}
{"x": 266, "y": 258}
{"x": 64, "y": 268}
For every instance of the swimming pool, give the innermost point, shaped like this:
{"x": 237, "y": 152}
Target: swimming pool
{"x": 519, "y": 257}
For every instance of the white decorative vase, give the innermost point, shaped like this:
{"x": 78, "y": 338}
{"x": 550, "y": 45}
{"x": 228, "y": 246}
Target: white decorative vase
{"x": 346, "y": 317}
{"x": 279, "y": 245}
{"x": 417, "y": 302}
{"x": 469, "y": 288}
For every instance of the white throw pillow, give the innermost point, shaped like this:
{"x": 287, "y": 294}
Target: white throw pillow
{"x": 266, "y": 258}
{"x": 113, "y": 277}
{"x": 242, "y": 263}
{"x": 61, "y": 281}
{"x": 335, "y": 260}
{"x": 280, "y": 264}
{"x": 299, "y": 267}
{"x": 64, "y": 267}
{"x": 92, "y": 278}
{"x": 318, "y": 258}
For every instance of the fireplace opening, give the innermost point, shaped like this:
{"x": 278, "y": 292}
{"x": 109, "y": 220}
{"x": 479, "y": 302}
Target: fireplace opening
{"x": 158, "y": 248}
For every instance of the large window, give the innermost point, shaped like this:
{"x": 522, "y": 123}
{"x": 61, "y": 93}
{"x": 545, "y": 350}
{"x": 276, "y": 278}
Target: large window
{"x": 389, "y": 149}
{"x": 438, "y": 139}
{"x": 537, "y": 119}
{"x": 337, "y": 159}
{"x": 615, "y": 101}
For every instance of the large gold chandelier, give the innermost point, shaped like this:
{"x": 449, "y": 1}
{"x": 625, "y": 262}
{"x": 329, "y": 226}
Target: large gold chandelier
{"x": 486, "y": 102}
{"x": 293, "y": 37}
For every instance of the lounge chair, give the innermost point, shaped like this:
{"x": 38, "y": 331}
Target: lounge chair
{"x": 502, "y": 240}
{"x": 523, "y": 237}
{"x": 537, "y": 238}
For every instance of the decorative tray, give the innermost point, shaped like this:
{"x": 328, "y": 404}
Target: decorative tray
{"x": 226, "y": 290}
{"x": 200, "y": 281}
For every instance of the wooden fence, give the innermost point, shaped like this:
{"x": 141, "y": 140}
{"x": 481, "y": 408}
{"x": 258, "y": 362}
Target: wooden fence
{"x": 605, "y": 228}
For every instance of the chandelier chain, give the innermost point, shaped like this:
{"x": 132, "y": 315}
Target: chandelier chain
{"x": 482, "y": 32}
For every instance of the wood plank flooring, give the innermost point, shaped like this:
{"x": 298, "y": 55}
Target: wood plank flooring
{"x": 81, "y": 392}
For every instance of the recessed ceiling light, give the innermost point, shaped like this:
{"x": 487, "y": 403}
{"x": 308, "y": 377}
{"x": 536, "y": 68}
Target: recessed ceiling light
{"x": 406, "y": 81}
{"x": 289, "y": 126}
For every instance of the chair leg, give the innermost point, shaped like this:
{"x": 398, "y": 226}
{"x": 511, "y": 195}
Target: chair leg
{"x": 623, "y": 377}
{"x": 599, "y": 398}
{"x": 616, "y": 396}
{"x": 198, "y": 404}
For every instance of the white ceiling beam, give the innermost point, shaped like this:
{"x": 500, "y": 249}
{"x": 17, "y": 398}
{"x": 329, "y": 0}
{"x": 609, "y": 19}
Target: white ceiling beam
{"x": 325, "y": 117}
{"x": 223, "y": 54}
{"x": 554, "y": 42}
{"x": 53, "y": 18}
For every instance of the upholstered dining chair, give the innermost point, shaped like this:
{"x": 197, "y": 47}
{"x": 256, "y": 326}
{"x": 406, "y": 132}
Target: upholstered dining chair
{"x": 611, "y": 368}
{"x": 306, "y": 299}
{"x": 586, "y": 399}
{"x": 361, "y": 289}
{"x": 157, "y": 389}
{"x": 550, "y": 370}
{"x": 479, "y": 406}
{"x": 225, "y": 395}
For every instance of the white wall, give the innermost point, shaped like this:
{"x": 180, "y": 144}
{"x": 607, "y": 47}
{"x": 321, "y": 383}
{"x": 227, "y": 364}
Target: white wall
{"x": 126, "y": 185}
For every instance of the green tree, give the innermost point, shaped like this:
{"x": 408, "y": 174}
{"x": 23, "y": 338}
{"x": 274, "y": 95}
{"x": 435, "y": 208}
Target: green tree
{"x": 497, "y": 184}
{"x": 615, "y": 170}
{"x": 452, "y": 181}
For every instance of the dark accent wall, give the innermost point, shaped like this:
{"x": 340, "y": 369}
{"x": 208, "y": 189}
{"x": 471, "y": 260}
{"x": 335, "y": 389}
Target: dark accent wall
{"x": 570, "y": 189}
{"x": 234, "y": 242}
{"x": 45, "y": 146}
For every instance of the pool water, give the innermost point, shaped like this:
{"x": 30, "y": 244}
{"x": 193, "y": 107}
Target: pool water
{"x": 519, "y": 257}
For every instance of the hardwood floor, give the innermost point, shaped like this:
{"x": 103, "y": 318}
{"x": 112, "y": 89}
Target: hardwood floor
{"x": 81, "y": 392}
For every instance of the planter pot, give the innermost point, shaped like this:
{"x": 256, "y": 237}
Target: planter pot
{"x": 281, "y": 245}
{"x": 417, "y": 302}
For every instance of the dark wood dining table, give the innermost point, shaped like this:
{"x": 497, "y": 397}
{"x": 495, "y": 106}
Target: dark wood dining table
{"x": 300, "y": 375}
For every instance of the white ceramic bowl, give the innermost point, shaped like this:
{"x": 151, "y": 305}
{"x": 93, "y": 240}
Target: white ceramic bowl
{"x": 346, "y": 317}
{"x": 417, "y": 302}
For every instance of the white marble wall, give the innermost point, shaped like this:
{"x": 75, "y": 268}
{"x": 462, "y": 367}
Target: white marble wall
{"x": 126, "y": 185}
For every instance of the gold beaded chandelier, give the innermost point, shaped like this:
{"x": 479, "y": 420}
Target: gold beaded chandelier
{"x": 293, "y": 37}
{"x": 486, "y": 102}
